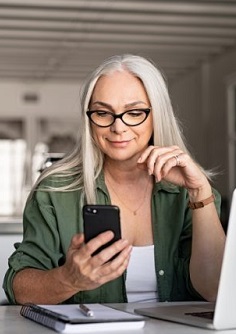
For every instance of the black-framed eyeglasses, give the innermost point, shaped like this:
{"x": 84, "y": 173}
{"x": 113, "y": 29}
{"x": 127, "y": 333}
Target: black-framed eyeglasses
{"x": 132, "y": 117}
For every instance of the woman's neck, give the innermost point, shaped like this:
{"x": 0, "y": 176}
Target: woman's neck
{"x": 123, "y": 171}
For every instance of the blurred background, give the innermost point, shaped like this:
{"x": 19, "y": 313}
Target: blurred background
{"x": 48, "y": 47}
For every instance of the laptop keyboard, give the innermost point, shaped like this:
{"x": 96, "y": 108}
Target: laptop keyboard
{"x": 207, "y": 315}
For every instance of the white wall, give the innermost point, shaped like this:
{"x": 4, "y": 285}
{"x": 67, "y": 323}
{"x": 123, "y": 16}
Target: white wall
{"x": 55, "y": 99}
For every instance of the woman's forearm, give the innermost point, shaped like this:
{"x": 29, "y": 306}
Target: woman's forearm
{"x": 207, "y": 251}
{"x": 41, "y": 287}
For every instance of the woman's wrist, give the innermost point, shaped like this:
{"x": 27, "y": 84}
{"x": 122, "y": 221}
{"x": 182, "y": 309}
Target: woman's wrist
{"x": 202, "y": 203}
{"x": 63, "y": 280}
{"x": 200, "y": 194}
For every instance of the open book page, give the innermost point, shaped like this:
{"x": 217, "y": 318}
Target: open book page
{"x": 100, "y": 313}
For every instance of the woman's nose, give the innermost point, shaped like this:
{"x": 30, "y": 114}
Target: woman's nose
{"x": 118, "y": 126}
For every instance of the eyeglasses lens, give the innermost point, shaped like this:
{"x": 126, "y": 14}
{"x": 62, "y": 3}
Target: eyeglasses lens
{"x": 131, "y": 118}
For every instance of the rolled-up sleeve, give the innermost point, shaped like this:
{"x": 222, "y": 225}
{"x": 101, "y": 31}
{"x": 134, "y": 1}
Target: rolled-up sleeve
{"x": 40, "y": 247}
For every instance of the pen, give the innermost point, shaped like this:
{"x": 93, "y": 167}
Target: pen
{"x": 85, "y": 310}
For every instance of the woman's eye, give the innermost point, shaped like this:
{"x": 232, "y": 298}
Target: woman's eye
{"x": 102, "y": 113}
{"x": 135, "y": 113}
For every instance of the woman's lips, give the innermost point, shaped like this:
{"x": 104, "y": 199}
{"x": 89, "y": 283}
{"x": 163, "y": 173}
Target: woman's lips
{"x": 119, "y": 143}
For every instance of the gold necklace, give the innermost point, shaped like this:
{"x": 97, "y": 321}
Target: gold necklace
{"x": 141, "y": 203}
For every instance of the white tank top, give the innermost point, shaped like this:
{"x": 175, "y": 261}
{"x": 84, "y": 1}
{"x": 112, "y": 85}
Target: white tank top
{"x": 141, "y": 283}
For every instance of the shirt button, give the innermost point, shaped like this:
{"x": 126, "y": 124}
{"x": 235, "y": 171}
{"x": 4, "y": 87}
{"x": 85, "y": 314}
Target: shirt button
{"x": 161, "y": 272}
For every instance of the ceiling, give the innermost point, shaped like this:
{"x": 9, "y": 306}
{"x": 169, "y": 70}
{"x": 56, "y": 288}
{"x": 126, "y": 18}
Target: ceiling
{"x": 63, "y": 40}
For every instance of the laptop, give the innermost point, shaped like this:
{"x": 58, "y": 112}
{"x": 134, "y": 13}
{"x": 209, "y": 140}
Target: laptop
{"x": 220, "y": 315}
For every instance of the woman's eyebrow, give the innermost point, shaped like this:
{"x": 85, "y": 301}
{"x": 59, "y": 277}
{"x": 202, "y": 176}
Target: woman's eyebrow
{"x": 133, "y": 104}
{"x": 128, "y": 105}
{"x": 103, "y": 104}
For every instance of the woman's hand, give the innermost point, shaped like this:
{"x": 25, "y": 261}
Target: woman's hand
{"x": 173, "y": 165}
{"x": 82, "y": 271}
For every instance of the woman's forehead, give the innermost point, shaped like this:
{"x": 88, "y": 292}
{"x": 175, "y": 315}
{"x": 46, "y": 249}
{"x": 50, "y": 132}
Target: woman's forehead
{"x": 122, "y": 85}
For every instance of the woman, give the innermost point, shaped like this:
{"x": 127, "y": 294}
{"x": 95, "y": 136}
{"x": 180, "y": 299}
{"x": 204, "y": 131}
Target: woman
{"x": 130, "y": 153}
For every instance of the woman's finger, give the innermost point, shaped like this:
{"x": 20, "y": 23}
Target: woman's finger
{"x": 115, "y": 268}
{"x": 94, "y": 244}
{"x": 155, "y": 157}
{"x": 109, "y": 252}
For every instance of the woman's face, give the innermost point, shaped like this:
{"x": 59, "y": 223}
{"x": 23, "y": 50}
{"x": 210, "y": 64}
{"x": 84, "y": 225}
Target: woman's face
{"x": 117, "y": 93}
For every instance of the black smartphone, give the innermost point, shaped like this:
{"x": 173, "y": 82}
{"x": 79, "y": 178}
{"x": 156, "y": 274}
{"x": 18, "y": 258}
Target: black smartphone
{"x": 101, "y": 218}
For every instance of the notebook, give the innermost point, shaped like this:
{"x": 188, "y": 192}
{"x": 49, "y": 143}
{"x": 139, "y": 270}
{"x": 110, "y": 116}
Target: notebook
{"x": 222, "y": 314}
{"x": 70, "y": 319}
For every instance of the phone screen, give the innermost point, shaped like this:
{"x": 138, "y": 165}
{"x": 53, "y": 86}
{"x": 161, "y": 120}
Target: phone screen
{"x": 101, "y": 218}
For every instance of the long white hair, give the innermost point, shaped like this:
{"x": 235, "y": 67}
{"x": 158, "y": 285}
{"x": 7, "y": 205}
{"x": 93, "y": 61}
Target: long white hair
{"x": 84, "y": 164}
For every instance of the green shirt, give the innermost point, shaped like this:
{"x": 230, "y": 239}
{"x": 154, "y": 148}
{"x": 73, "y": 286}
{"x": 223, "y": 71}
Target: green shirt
{"x": 51, "y": 219}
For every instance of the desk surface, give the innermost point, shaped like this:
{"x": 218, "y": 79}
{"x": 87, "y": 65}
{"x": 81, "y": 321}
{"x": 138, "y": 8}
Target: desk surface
{"x": 12, "y": 322}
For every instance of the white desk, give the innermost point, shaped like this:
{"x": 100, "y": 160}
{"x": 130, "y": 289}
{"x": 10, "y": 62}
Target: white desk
{"x": 11, "y": 322}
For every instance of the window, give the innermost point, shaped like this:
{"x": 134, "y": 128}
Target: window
{"x": 12, "y": 162}
{"x": 25, "y": 146}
